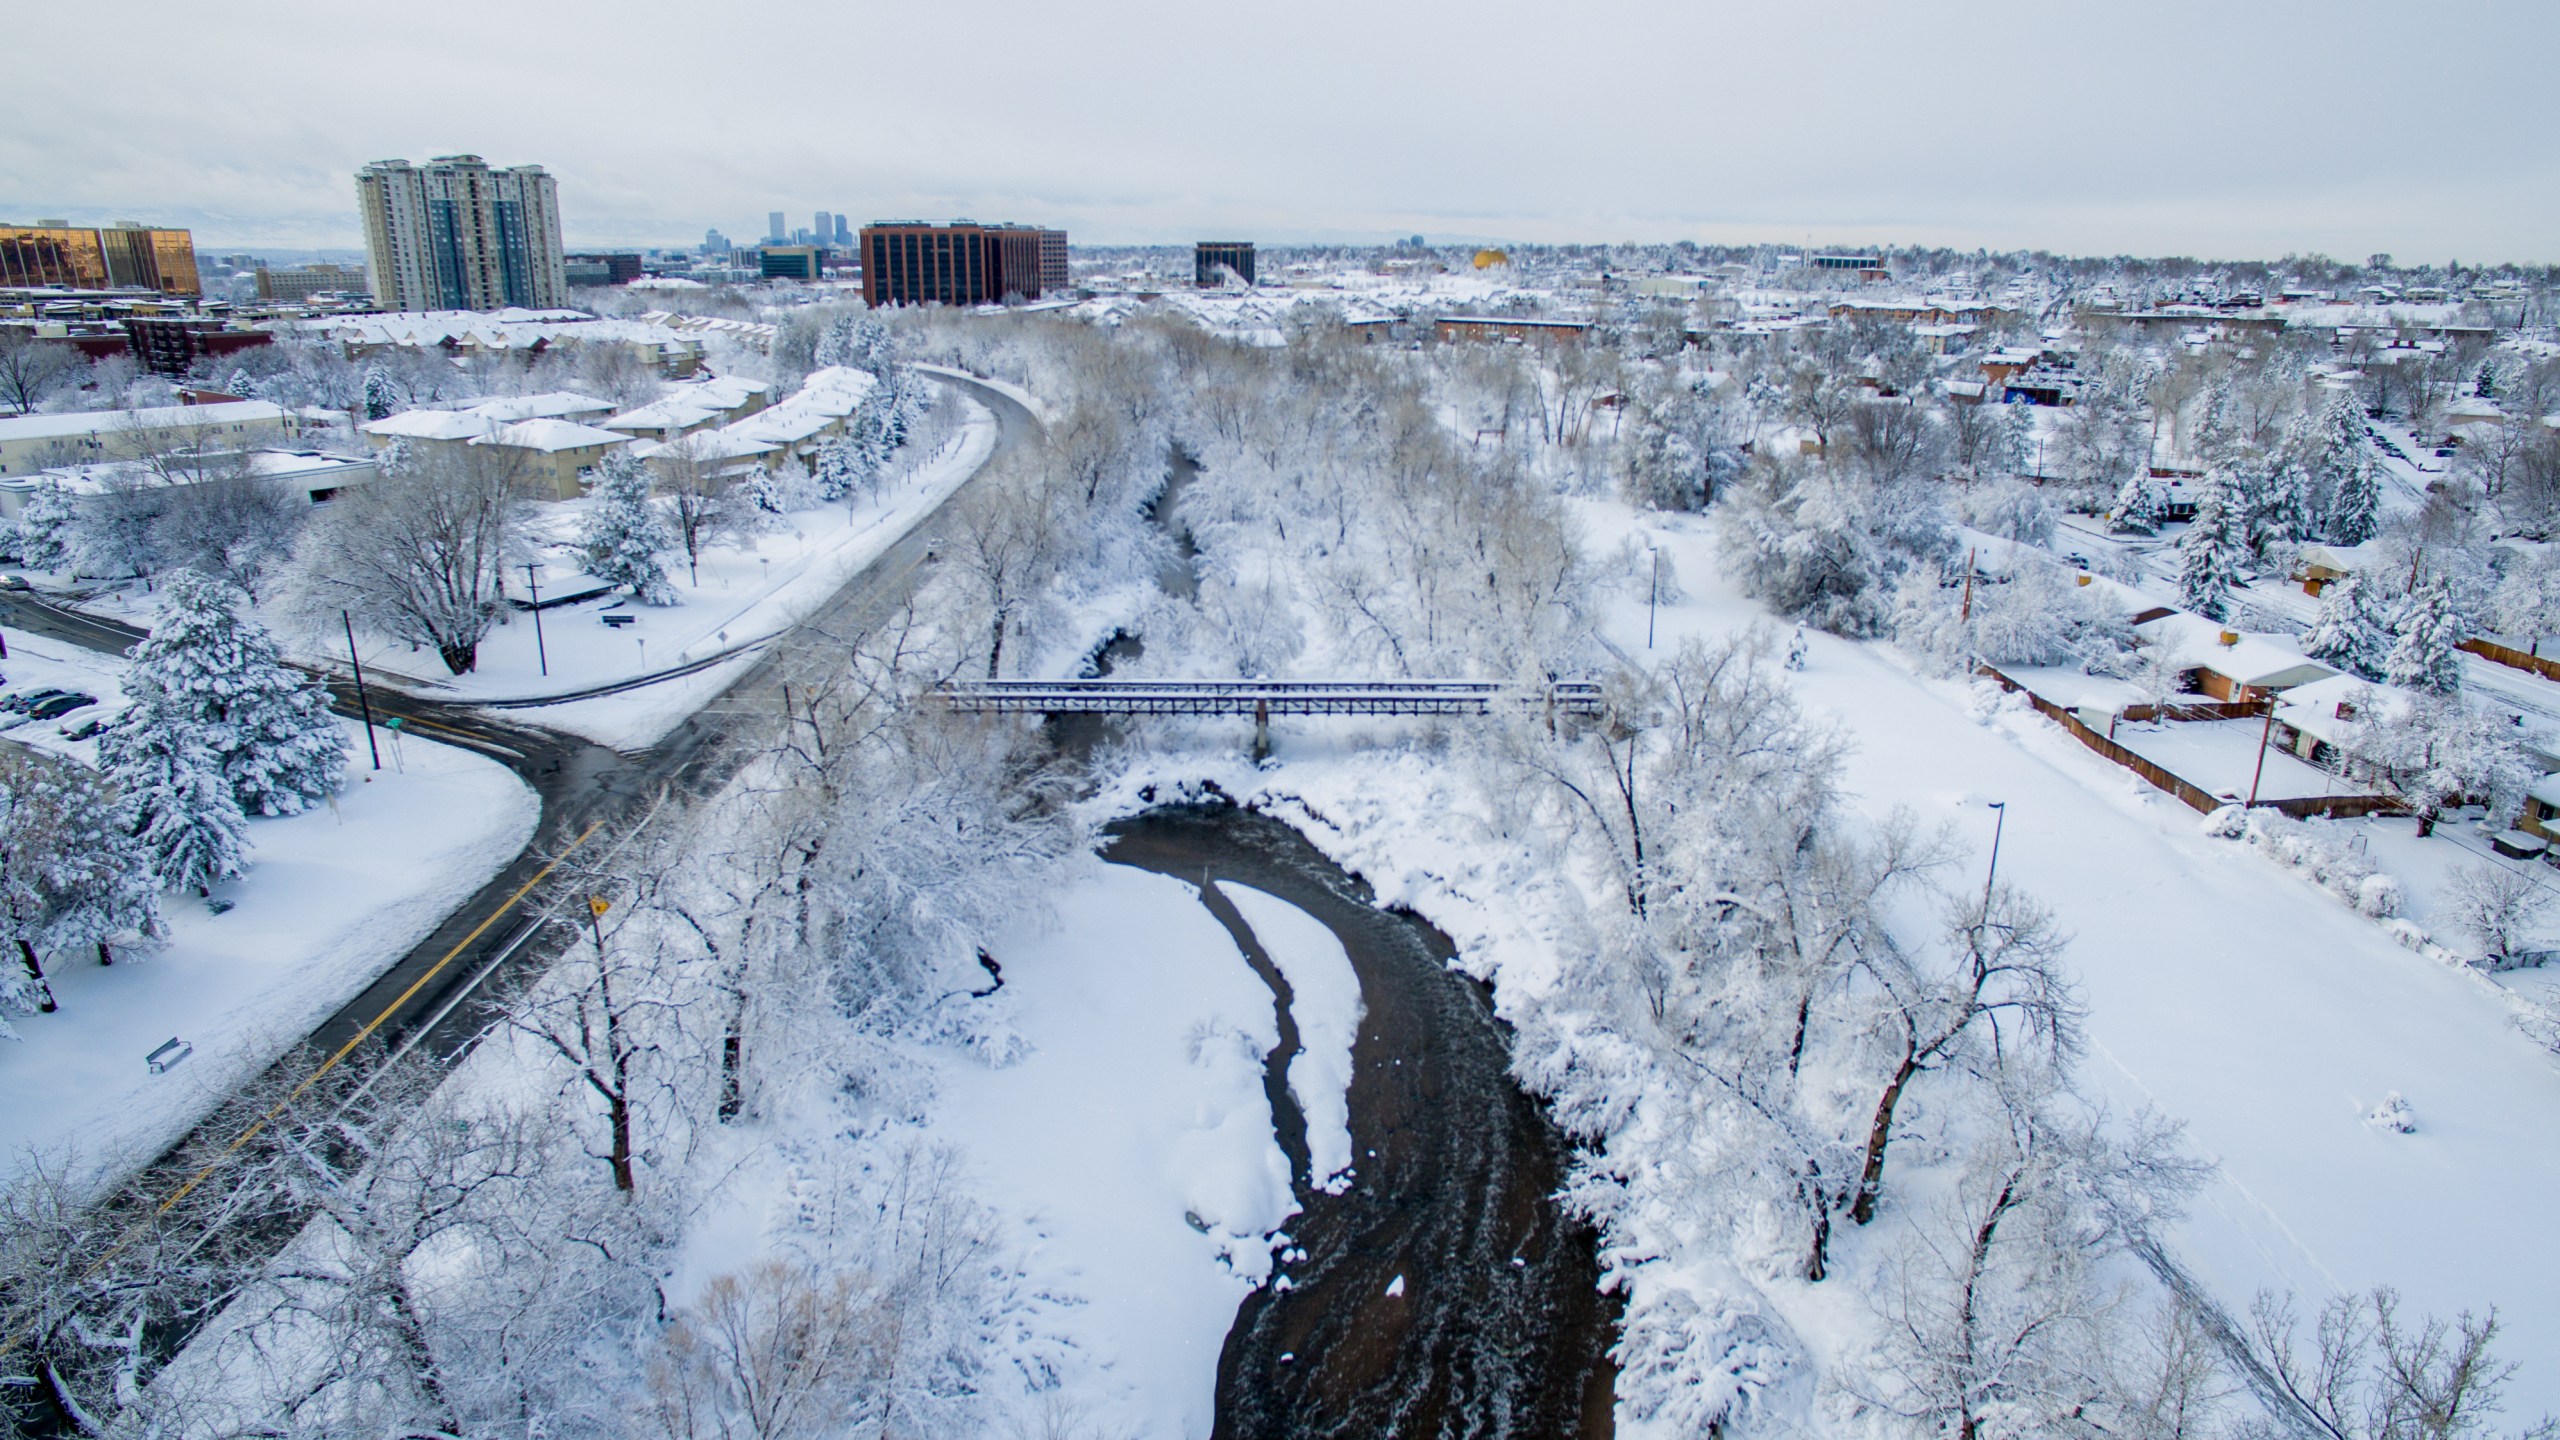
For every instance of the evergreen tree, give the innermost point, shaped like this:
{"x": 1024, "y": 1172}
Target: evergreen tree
{"x": 103, "y": 884}
{"x": 624, "y": 534}
{"x": 2428, "y": 630}
{"x": 2139, "y": 502}
{"x": 2211, "y": 554}
{"x": 280, "y": 748}
{"x": 380, "y": 396}
{"x": 860, "y": 342}
{"x": 45, "y": 529}
{"x": 178, "y": 804}
{"x": 2353, "y": 631}
{"x": 2339, "y": 472}
{"x": 70, "y": 873}
{"x": 840, "y": 468}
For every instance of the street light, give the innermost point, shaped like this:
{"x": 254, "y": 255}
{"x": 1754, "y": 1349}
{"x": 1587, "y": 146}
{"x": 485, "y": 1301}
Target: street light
{"x": 2000, "y": 808}
{"x": 540, "y": 654}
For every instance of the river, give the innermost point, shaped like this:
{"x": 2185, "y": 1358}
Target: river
{"x": 1443, "y": 1292}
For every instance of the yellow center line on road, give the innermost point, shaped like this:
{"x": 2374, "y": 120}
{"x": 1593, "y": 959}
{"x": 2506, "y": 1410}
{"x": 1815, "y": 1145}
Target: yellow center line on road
{"x": 343, "y": 1051}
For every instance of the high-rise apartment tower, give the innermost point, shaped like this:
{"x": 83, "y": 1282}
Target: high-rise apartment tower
{"x": 453, "y": 234}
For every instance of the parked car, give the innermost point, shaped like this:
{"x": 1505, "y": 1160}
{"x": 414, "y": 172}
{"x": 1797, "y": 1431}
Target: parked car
{"x": 60, "y": 705}
{"x": 86, "y": 730}
{"x": 31, "y": 699}
{"x": 14, "y": 582}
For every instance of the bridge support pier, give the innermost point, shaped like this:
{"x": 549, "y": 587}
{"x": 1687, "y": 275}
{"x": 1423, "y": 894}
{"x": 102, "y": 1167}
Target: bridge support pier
{"x": 1261, "y": 731}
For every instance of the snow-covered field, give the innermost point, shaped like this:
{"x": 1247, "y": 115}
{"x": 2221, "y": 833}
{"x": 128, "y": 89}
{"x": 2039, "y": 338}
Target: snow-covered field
{"x": 331, "y": 899}
{"x": 1133, "y": 1141}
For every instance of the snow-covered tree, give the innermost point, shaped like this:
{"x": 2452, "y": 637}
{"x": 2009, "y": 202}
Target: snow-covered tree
{"x": 381, "y": 397}
{"x": 624, "y": 535}
{"x": 845, "y": 465}
{"x": 71, "y": 873}
{"x": 178, "y": 802}
{"x": 45, "y": 528}
{"x": 419, "y": 554}
{"x": 2212, "y": 554}
{"x": 206, "y": 668}
{"x": 2337, "y": 463}
{"x": 2139, "y": 503}
{"x": 2434, "y": 751}
{"x": 2499, "y": 905}
{"x": 2353, "y": 630}
{"x": 2427, "y": 632}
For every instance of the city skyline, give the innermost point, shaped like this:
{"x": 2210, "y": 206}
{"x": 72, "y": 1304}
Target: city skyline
{"x": 2184, "y": 129}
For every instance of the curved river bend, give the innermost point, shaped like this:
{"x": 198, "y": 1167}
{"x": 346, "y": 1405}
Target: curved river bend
{"x": 1497, "y": 1328}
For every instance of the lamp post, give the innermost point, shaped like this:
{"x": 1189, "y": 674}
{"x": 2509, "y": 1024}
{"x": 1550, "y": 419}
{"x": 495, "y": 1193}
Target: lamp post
{"x": 542, "y": 656}
{"x": 1652, "y": 594}
{"x": 364, "y": 702}
{"x": 2000, "y": 808}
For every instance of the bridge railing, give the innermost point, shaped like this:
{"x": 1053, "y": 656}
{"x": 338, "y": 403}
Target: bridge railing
{"x": 1262, "y": 698}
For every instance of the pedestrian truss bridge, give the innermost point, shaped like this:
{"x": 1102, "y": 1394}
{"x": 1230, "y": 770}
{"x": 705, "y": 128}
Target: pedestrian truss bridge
{"x": 1263, "y": 699}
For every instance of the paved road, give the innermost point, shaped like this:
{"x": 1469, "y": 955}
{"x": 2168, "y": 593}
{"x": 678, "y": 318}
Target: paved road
{"x": 429, "y": 994}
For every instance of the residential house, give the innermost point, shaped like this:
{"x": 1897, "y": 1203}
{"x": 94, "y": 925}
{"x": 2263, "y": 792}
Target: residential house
{"x": 2226, "y": 664}
{"x": 557, "y": 456}
{"x": 29, "y": 443}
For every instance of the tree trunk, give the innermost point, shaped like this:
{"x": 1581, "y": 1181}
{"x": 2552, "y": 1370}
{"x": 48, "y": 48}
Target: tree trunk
{"x": 1879, "y": 1134}
{"x": 1818, "y": 1264}
{"x": 105, "y": 955}
{"x": 44, "y": 989}
{"x": 460, "y": 657}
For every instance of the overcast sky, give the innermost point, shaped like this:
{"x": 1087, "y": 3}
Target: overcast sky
{"x": 2241, "y": 128}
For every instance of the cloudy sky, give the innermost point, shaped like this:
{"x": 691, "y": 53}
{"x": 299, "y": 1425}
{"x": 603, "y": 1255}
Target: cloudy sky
{"x": 2226, "y": 129}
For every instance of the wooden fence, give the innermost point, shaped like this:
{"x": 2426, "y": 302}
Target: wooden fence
{"x": 2509, "y": 656}
{"x": 2195, "y": 796}
{"x": 2199, "y": 710}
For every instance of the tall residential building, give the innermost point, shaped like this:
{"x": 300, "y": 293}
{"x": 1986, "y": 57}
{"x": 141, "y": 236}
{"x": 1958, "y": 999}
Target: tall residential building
{"x": 453, "y": 234}
{"x": 916, "y": 262}
{"x": 123, "y": 256}
{"x": 1209, "y": 257}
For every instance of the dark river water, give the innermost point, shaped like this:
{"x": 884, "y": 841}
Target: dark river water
{"x": 1498, "y": 1327}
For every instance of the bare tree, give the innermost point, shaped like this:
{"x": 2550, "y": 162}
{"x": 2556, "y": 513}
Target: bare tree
{"x": 1003, "y": 537}
{"x": 704, "y": 501}
{"x": 2369, "y": 1373}
{"x": 778, "y": 1353}
{"x": 31, "y": 369}
{"x": 418, "y": 553}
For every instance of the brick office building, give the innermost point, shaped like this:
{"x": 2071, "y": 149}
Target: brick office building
{"x": 916, "y": 262}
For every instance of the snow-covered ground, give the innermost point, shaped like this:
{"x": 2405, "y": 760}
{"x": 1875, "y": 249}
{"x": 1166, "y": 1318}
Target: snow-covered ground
{"x": 2229, "y": 993}
{"x": 1325, "y": 1001}
{"x": 331, "y": 899}
{"x": 1134, "y": 1140}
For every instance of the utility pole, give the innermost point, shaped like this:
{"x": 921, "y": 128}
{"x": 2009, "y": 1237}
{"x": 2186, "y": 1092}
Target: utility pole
{"x": 539, "y": 654}
{"x": 2263, "y": 736}
{"x": 364, "y": 702}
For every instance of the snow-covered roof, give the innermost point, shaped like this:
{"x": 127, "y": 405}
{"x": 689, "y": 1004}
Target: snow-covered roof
{"x": 94, "y": 478}
{"x": 432, "y": 425}
{"x": 160, "y": 417}
{"x": 783, "y": 425}
{"x": 2259, "y": 661}
{"x": 550, "y": 435}
{"x": 707, "y": 445}
{"x": 673, "y": 412}
{"x": 550, "y": 405}
{"x": 2325, "y": 709}
{"x": 2345, "y": 559}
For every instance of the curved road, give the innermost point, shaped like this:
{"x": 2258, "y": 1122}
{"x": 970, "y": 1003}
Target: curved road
{"x": 427, "y": 996}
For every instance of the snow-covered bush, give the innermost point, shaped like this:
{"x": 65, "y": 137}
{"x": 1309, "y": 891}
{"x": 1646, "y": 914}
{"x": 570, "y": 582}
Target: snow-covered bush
{"x": 2317, "y": 849}
{"x": 2041, "y": 615}
{"x": 2010, "y": 508}
{"x": 1825, "y": 548}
